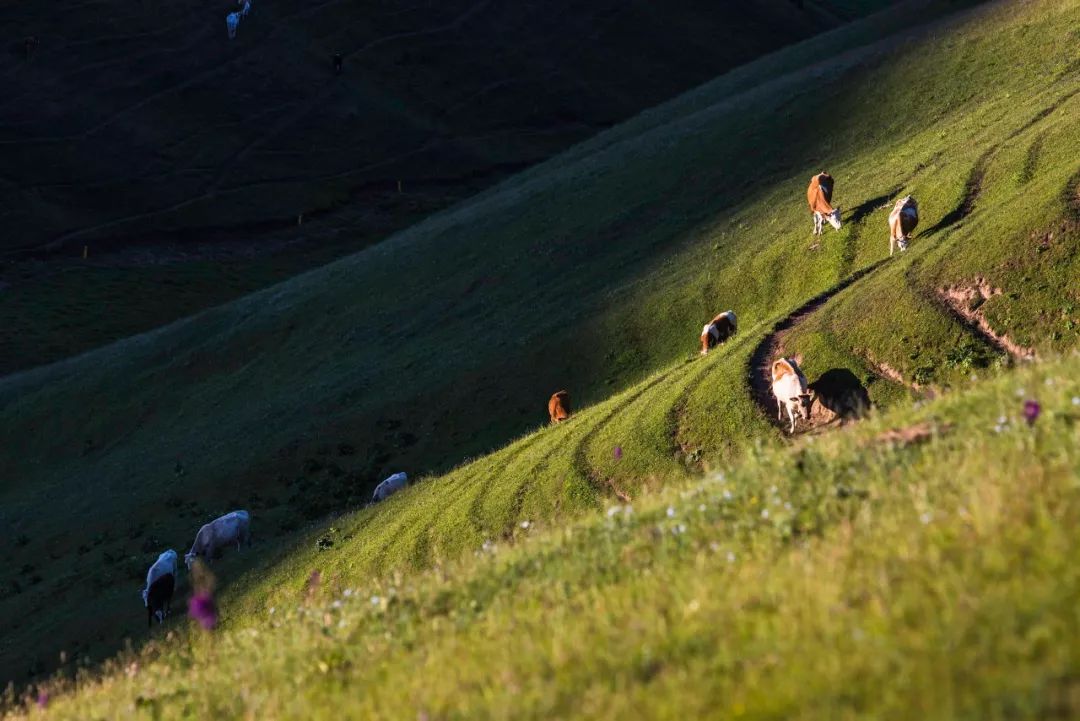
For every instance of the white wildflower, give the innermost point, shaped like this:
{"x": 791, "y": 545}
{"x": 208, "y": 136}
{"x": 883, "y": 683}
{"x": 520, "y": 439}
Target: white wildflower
{"x": 670, "y": 512}
{"x": 765, "y": 513}
{"x": 926, "y": 518}
{"x": 375, "y": 600}
{"x": 524, "y": 524}
{"x": 730, "y": 557}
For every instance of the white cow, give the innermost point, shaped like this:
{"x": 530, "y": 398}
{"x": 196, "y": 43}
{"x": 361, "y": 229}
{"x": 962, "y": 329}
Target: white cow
{"x": 389, "y": 487}
{"x": 232, "y": 24}
{"x": 160, "y": 582}
{"x": 233, "y": 527}
{"x": 790, "y": 389}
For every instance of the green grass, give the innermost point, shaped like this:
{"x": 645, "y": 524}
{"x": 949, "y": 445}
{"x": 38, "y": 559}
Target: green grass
{"x": 593, "y": 271}
{"x": 844, "y": 577}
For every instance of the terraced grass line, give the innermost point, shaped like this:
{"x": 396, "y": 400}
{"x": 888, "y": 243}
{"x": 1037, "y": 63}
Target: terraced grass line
{"x": 759, "y": 370}
{"x": 677, "y": 413}
{"x": 580, "y": 454}
{"x": 972, "y": 190}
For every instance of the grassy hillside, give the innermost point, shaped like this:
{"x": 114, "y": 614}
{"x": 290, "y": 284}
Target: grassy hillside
{"x": 593, "y": 271}
{"x": 182, "y": 161}
{"x": 918, "y": 565}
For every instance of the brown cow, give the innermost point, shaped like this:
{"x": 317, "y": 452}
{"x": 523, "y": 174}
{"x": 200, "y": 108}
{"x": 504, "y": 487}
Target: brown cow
{"x": 718, "y": 330}
{"x": 902, "y": 221}
{"x": 559, "y": 406}
{"x": 819, "y": 196}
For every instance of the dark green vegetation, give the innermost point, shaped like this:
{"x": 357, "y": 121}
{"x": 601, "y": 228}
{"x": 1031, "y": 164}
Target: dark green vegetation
{"x": 182, "y": 161}
{"x": 594, "y": 271}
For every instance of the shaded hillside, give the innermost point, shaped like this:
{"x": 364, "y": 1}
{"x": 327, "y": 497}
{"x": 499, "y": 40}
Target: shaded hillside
{"x": 180, "y": 160}
{"x": 592, "y": 271}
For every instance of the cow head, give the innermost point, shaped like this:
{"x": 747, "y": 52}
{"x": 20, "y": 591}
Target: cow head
{"x": 834, "y": 218}
{"x": 803, "y": 403}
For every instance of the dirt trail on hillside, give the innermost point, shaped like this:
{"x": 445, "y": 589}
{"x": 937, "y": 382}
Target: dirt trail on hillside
{"x": 771, "y": 347}
{"x": 965, "y": 301}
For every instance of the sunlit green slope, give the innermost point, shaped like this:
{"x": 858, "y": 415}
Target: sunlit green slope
{"x": 592, "y": 272}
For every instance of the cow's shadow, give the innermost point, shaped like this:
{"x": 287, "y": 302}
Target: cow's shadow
{"x": 839, "y": 391}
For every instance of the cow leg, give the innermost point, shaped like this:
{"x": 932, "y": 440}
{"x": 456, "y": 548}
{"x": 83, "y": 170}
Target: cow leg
{"x": 792, "y": 417}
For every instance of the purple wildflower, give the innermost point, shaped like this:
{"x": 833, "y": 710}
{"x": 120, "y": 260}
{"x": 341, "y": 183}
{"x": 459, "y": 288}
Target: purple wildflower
{"x": 201, "y": 608}
{"x": 42, "y": 699}
{"x": 618, "y": 452}
{"x": 1032, "y": 409}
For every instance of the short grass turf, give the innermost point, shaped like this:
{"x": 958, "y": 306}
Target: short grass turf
{"x": 593, "y": 272}
{"x": 917, "y": 565}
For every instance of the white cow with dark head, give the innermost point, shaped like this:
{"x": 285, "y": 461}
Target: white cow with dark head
{"x": 160, "y": 583}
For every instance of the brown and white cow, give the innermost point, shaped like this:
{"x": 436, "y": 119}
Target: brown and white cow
{"x": 819, "y": 196}
{"x": 718, "y": 330}
{"x": 559, "y": 406}
{"x": 902, "y": 221}
{"x": 791, "y": 391}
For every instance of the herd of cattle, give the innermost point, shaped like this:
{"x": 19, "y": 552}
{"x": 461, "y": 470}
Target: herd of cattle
{"x": 234, "y": 527}
{"x": 789, "y": 388}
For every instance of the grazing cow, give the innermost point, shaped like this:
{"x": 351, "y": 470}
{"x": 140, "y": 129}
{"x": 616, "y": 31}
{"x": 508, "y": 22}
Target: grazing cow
{"x": 718, "y": 330}
{"x": 902, "y": 221}
{"x": 389, "y": 487}
{"x": 790, "y": 390}
{"x": 233, "y": 527}
{"x": 819, "y": 196}
{"x": 559, "y": 406}
{"x": 160, "y": 582}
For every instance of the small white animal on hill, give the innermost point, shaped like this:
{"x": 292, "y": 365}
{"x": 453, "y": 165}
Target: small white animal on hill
{"x": 232, "y": 24}
{"x": 902, "y": 221}
{"x": 160, "y": 583}
{"x": 718, "y": 330}
{"x": 231, "y": 528}
{"x": 389, "y": 487}
{"x": 790, "y": 389}
{"x": 819, "y": 196}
